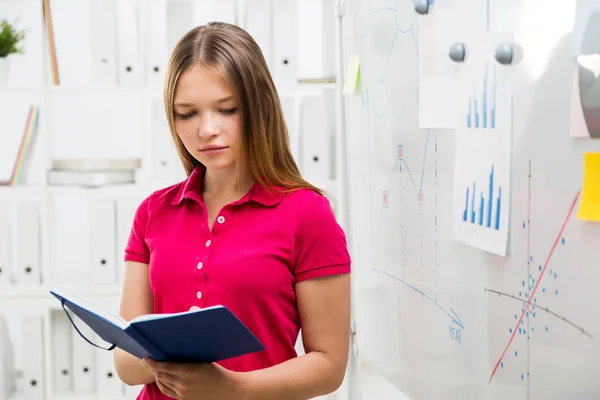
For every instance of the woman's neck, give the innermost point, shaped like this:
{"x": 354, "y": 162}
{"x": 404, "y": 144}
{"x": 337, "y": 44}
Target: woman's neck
{"x": 222, "y": 183}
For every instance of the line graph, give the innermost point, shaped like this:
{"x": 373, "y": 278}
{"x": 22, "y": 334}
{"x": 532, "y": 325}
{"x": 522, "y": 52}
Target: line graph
{"x": 537, "y": 283}
{"x": 449, "y": 312}
{"x": 401, "y": 165}
{"x": 398, "y": 168}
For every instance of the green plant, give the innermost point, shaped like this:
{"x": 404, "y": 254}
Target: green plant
{"x": 10, "y": 39}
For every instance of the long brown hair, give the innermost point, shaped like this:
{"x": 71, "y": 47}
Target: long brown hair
{"x": 265, "y": 155}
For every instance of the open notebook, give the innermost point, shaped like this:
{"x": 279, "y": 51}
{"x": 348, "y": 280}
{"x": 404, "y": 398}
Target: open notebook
{"x": 207, "y": 335}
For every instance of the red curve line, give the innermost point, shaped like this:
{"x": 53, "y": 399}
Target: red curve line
{"x": 537, "y": 283}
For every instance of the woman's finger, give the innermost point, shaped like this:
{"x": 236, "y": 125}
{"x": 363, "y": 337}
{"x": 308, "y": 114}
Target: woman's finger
{"x": 165, "y": 389}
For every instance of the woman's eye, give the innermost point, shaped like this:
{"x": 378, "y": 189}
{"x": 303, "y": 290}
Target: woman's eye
{"x": 186, "y": 116}
{"x": 229, "y": 111}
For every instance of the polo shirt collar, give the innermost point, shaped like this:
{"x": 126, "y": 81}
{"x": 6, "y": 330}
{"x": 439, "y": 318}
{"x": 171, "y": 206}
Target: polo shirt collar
{"x": 191, "y": 188}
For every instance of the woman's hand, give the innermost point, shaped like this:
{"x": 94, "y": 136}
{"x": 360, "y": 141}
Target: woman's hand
{"x": 194, "y": 381}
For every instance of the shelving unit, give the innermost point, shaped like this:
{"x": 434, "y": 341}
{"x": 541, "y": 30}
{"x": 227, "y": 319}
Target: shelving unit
{"x": 80, "y": 119}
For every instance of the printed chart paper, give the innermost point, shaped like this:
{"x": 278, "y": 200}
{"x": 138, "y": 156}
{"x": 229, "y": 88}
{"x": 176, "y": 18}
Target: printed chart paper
{"x": 482, "y": 158}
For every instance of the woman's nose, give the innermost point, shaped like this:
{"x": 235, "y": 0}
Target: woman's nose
{"x": 209, "y": 127}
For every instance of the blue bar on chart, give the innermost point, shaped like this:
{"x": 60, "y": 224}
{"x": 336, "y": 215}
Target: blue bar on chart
{"x": 484, "y": 218}
{"x": 477, "y": 117}
{"x": 484, "y": 95}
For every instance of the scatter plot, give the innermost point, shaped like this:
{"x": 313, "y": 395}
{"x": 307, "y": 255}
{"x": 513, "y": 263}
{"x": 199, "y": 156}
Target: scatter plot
{"x": 529, "y": 311}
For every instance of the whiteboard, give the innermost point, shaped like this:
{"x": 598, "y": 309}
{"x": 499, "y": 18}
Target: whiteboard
{"x": 435, "y": 315}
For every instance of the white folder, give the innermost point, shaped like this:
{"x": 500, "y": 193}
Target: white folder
{"x": 102, "y": 241}
{"x": 329, "y": 51}
{"x": 68, "y": 237}
{"x": 107, "y": 380}
{"x": 257, "y": 22}
{"x": 285, "y": 46}
{"x": 8, "y": 382}
{"x": 62, "y": 364}
{"x": 5, "y": 244}
{"x": 72, "y": 38}
{"x": 290, "y": 113}
{"x": 154, "y": 24}
{"x": 103, "y": 45}
{"x": 166, "y": 166}
{"x": 28, "y": 267}
{"x": 32, "y": 346}
{"x": 316, "y": 138}
{"x": 179, "y": 21}
{"x": 129, "y": 48}
{"x": 84, "y": 358}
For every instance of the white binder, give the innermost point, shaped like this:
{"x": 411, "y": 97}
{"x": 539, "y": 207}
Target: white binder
{"x": 32, "y": 346}
{"x": 257, "y": 22}
{"x": 62, "y": 364}
{"x": 290, "y": 108}
{"x": 102, "y": 241}
{"x": 103, "y": 46}
{"x": 107, "y": 380}
{"x": 8, "y": 383}
{"x": 84, "y": 359}
{"x": 166, "y": 166}
{"x": 316, "y": 138}
{"x": 6, "y": 250}
{"x": 68, "y": 237}
{"x": 28, "y": 267}
{"x": 154, "y": 23}
{"x": 285, "y": 46}
{"x": 72, "y": 37}
{"x": 179, "y": 21}
{"x": 131, "y": 71}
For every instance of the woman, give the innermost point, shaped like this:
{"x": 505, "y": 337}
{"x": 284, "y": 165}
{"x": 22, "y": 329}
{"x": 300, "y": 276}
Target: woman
{"x": 243, "y": 230}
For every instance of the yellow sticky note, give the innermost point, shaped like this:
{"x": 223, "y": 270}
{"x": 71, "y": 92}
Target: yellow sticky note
{"x": 589, "y": 208}
{"x": 352, "y": 74}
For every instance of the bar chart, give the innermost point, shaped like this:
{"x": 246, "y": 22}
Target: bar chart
{"x": 486, "y": 212}
{"x": 481, "y": 106}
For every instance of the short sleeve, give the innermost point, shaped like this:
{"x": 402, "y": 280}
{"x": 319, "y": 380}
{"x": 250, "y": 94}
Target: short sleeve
{"x": 136, "y": 248}
{"x": 320, "y": 247}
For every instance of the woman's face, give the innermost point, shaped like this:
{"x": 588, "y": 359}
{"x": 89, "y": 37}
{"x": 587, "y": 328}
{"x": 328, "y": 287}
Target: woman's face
{"x": 207, "y": 119}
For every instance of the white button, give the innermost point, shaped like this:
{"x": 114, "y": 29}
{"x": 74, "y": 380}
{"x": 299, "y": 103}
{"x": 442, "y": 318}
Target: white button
{"x": 221, "y": 219}
{"x": 199, "y": 265}
{"x": 199, "y": 294}
{"x": 208, "y": 243}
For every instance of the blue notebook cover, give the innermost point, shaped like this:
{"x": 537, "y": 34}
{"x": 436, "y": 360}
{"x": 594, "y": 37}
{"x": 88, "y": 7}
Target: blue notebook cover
{"x": 207, "y": 335}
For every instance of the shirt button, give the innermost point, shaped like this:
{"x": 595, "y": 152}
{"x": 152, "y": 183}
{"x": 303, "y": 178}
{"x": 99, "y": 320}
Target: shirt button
{"x": 221, "y": 219}
{"x": 199, "y": 266}
{"x": 208, "y": 243}
{"x": 199, "y": 294}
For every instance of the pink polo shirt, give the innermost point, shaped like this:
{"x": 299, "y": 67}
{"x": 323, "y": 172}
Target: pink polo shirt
{"x": 259, "y": 248}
